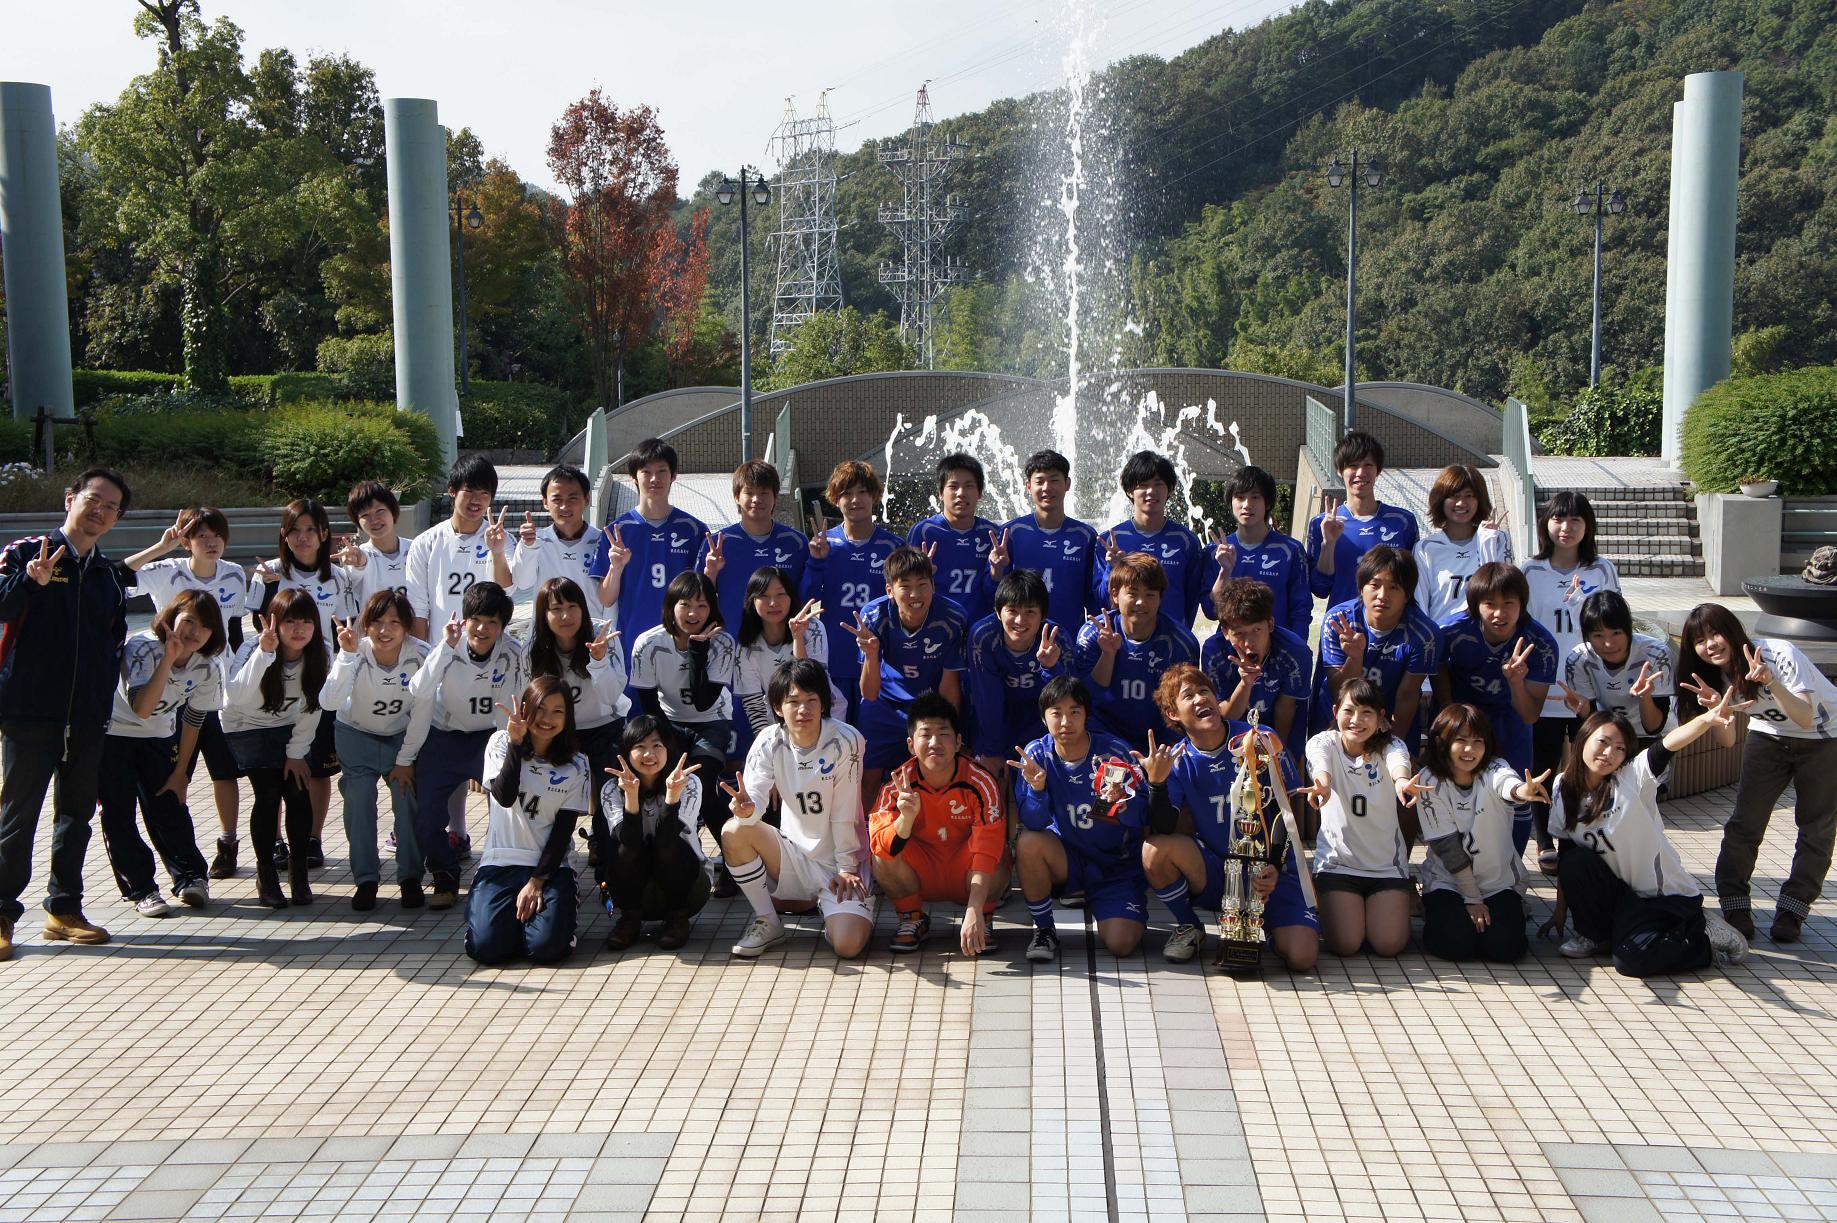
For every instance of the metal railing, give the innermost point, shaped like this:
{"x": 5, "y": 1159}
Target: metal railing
{"x": 1517, "y": 484}
{"x": 1322, "y": 436}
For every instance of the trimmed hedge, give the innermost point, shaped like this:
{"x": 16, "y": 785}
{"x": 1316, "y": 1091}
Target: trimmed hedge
{"x": 270, "y": 390}
{"x": 318, "y": 452}
{"x": 1781, "y": 426}
{"x": 512, "y": 416}
{"x": 91, "y": 385}
{"x": 15, "y": 440}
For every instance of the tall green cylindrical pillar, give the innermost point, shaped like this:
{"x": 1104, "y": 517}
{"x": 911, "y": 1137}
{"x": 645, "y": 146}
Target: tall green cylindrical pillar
{"x": 1700, "y": 259}
{"x": 420, "y": 270}
{"x": 32, "y": 237}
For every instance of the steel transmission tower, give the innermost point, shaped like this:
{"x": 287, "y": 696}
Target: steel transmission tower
{"x": 809, "y": 279}
{"x": 923, "y": 223}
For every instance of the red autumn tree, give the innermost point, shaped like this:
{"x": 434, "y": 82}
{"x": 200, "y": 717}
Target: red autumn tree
{"x": 627, "y": 265}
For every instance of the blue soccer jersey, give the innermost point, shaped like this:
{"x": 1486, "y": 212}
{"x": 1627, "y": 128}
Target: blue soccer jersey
{"x": 659, "y": 551}
{"x": 1476, "y": 676}
{"x": 1287, "y": 671}
{"x": 1188, "y": 563}
{"x": 743, "y": 555}
{"x": 915, "y": 660}
{"x": 1125, "y": 707}
{"x": 1091, "y": 828}
{"x": 1066, "y": 560}
{"x": 846, "y": 581}
{"x": 1390, "y": 525}
{"x": 1201, "y": 782}
{"x": 962, "y": 562}
{"x": 1004, "y": 689}
{"x": 1280, "y": 563}
{"x": 1410, "y": 650}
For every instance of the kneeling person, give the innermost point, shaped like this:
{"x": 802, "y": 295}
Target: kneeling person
{"x": 1083, "y": 809}
{"x": 937, "y": 831}
{"x": 817, "y": 853}
{"x": 650, "y": 836}
{"x": 1188, "y": 872}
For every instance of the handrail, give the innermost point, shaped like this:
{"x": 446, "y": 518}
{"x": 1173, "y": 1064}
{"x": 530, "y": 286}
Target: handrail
{"x": 1322, "y": 436}
{"x": 1518, "y": 484}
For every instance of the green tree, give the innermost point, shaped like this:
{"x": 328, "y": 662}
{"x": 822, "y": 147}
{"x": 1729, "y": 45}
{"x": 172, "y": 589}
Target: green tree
{"x": 835, "y": 343}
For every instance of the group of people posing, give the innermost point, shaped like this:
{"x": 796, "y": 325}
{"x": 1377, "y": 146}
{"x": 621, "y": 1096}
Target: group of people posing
{"x": 852, "y": 715}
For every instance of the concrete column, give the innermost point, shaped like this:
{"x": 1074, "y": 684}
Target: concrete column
{"x": 1700, "y": 284}
{"x": 32, "y": 235}
{"x": 420, "y": 269}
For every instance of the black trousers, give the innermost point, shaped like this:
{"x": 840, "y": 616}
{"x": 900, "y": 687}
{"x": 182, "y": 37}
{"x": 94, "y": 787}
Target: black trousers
{"x": 273, "y": 790}
{"x": 31, "y": 754}
{"x": 659, "y": 878}
{"x": 133, "y": 770}
{"x": 1448, "y": 933}
{"x": 1651, "y": 936}
{"x": 1548, "y": 738}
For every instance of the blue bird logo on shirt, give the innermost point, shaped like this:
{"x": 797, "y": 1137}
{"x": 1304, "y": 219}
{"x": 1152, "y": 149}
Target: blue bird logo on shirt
{"x": 679, "y": 541}
{"x": 1270, "y": 562}
{"x": 556, "y": 779}
{"x": 825, "y": 767}
{"x": 780, "y": 556}
{"x": 496, "y": 679}
{"x": 1387, "y": 536}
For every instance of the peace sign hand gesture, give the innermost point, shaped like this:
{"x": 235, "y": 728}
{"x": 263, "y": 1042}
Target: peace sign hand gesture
{"x": 1698, "y": 687}
{"x": 349, "y": 554}
{"x": 596, "y": 648}
{"x": 1534, "y": 788}
{"x": 1223, "y": 552}
{"x": 907, "y": 803}
{"x": 347, "y": 635}
{"x": 999, "y": 555}
{"x": 739, "y": 802}
{"x": 495, "y": 534}
{"x": 819, "y": 535}
{"x": 1578, "y": 704}
{"x": 1350, "y": 638}
{"x": 526, "y": 534}
{"x": 270, "y": 639}
{"x": 1048, "y": 652}
{"x": 617, "y": 554}
{"x": 1109, "y": 640}
{"x": 41, "y": 567}
{"x": 800, "y": 623}
{"x": 714, "y": 562}
{"x": 1316, "y": 794}
{"x": 627, "y": 778}
{"x": 1158, "y": 761}
{"x": 1031, "y": 770}
{"x": 865, "y": 637}
{"x": 1409, "y": 790}
{"x": 1758, "y": 670}
{"x": 1111, "y": 553}
{"x": 1332, "y": 526}
{"x": 678, "y": 780}
{"x": 454, "y": 629}
{"x": 514, "y": 721}
{"x": 1645, "y": 681}
{"x": 174, "y": 535}
{"x": 1518, "y": 665}
{"x": 1724, "y": 711}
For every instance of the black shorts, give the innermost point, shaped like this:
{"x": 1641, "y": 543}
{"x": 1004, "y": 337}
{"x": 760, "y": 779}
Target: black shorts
{"x": 1358, "y": 885}
{"x": 218, "y": 759}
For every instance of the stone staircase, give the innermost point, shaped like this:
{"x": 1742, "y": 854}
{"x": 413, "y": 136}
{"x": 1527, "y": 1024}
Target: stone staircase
{"x": 1806, "y": 524}
{"x": 1646, "y": 531}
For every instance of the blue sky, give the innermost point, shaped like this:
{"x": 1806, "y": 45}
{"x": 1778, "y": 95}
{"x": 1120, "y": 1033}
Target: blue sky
{"x": 717, "y": 71}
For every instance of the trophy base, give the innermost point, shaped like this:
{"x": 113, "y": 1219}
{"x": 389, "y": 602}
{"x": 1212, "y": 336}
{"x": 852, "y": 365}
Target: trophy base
{"x": 1234, "y": 956}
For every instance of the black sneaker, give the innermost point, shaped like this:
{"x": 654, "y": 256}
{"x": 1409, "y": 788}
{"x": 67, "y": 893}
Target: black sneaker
{"x": 315, "y": 853}
{"x": 223, "y": 865}
{"x": 1044, "y": 948}
{"x": 365, "y": 899}
{"x": 411, "y": 895}
{"x": 281, "y": 856}
{"x": 1742, "y": 920}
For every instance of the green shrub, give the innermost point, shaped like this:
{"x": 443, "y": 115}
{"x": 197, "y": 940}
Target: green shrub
{"x": 1608, "y": 420}
{"x": 363, "y": 365}
{"x": 270, "y": 390}
{"x": 179, "y": 399}
{"x": 201, "y": 437}
{"x": 1782, "y": 426}
{"x": 90, "y": 385}
{"x": 321, "y": 450}
{"x": 492, "y": 424}
{"x": 15, "y": 440}
{"x": 419, "y": 428}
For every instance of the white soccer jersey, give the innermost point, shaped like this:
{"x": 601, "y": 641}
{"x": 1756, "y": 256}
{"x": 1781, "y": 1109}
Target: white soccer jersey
{"x": 517, "y": 835}
{"x": 650, "y": 810}
{"x": 442, "y": 566}
{"x": 333, "y": 596}
{"x": 1359, "y": 833}
{"x": 658, "y": 662}
{"x": 1481, "y": 815}
{"x": 367, "y": 696}
{"x": 753, "y": 673}
{"x": 1630, "y": 837}
{"x": 1557, "y": 596}
{"x": 555, "y": 557}
{"x": 1791, "y": 668}
{"x": 1612, "y": 687}
{"x": 457, "y": 692}
{"x": 242, "y": 709}
{"x": 819, "y": 790}
{"x": 381, "y": 571}
{"x": 599, "y": 695}
{"x": 198, "y": 683}
{"x": 1443, "y": 566}
{"x": 161, "y": 581}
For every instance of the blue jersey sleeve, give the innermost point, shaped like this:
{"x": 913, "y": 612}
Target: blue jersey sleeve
{"x": 1298, "y": 597}
{"x": 1321, "y": 584}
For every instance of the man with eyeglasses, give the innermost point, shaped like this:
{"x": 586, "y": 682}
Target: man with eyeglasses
{"x": 62, "y": 620}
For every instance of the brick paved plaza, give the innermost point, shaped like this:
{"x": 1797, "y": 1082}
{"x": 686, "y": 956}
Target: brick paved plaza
{"x": 231, "y": 1064}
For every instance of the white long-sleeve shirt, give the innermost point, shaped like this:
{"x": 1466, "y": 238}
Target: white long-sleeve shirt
{"x": 333, "y": 596}
{"x": 555, "y": 557}
{"x": 381, "y": 571}
{"x": 442, "y": 566}
{"x": 457, "y": 692}
{"x": 367, "y": 696}
{"x": 243, "y": 710}
{"x": 599, "y": 696}
{"x": 819, "y": 791}
{"x": 197, "y": 683}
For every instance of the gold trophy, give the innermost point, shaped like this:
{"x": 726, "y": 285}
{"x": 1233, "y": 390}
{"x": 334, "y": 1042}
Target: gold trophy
{"x": 1240, "y": 912}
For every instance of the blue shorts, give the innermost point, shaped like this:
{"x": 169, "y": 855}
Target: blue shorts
{"x": 1286, "y": 906}
{"x": 885, "y": 730}
{"x": 1110, "y": 889}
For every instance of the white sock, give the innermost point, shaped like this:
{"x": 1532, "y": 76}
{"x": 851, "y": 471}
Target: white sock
{"x": 751, "y": 878}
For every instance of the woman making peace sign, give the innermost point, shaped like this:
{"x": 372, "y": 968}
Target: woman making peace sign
{"x": 652, "y": 848}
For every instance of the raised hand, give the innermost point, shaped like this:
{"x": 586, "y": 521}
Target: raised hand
{"x": 1409, "y": 790}
{"x": 1578, "y": 704}
{"x": 739, "y": 802}
{"x": 800, "y": 623}
{"x": 454, "y": 630}
{"x": 628, "y": 780}
{"x": 515, "y": 723}
{"x": 1316, "y": 794}
{"x": 1349, "y": 637}
{"x": 678, "y": 780}
{"x": 349, "y": 554}
{"x": 270, "y": 639}
{"x": 1248, "y": 673}
{"x": 1049, "y": 650}
{"x": 1518, "y": 665}
{"x": 1645, "y": 681}
{"x": 1723, "y": 712}
{"x": 1758, "y": 670}
{"x": 347, "y": 635}
{"x": 495, "y": 534}
{"x": 1573, "y": 589}
{"x": 1534, "y": 788}
{"x": 1223, "y": 552}
{"x": 1698, "y": 687}
{"x": 819, "y": 535}
{"x": 1111, "y": 553}
{"x": 1332, "y": 526}
{"x": 1109, "y": 639}
{"x": 1031, "y": 770}
{"x": 865, "y": 637}
{"x": 999, "y": 555}
{"x": 931, "y": 551}
{"x": 714, "y": 562}
{"x": 174, "y": 535}
{"x": 906, "y": 801}
{"x": 596, "y": 648}
{"x": 617, "y": 554}
{"x": 41, "y": 567}
{"x": 526, "y": 534}
{"x": 1158, "y": 762}
{"x": 267, "y": 571}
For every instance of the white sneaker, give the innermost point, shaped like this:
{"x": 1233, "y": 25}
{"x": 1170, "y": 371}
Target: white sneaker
{"x": 762, "y": 934}
{"x": 152, "y": 905}
{"x": 194, "y": 894}
{"x": 1183, "y": 944}
{"x": 1581, "y": 947}
{"x": 1725, "y": 941}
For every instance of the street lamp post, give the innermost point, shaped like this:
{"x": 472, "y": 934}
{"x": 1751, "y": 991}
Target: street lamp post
{"x": 1374, "y": 175}
{"x": 762, "y": 195}
{"x": 463, "y": 220}
{"x": 1597, "y": 202}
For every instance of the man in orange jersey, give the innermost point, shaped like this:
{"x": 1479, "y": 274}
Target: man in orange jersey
{"x": 937, "y": 832}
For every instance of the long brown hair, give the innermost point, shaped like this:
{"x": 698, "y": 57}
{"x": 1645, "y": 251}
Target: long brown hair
{"x": 1713, "y": 620}
{"x": 1583, "y": 800}
{"x": 296, "y": 604}
{"x": 202, "y": 606}
{"x": 306, "y": 507}
{"x": 544, "y": 649}
{"x": 563, "y": 746}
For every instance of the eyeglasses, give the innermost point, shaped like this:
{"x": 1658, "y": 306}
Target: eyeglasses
{"x": 111, "y": 506}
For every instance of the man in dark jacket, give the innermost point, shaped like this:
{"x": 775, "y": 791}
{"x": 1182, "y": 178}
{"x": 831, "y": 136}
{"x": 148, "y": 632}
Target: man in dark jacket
{"x": 62, "y": 620}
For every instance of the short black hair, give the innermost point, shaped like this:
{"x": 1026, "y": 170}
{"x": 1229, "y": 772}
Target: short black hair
{"x": 1252, "y": 479}
{"x": 1400, "y": 563}
{"x": 101, "y": 473}
{"x": 1047, "y": 460}
{"x": 487, "y": 599}
{"x": 1023, "y": 588}
{"x": 1606, "y": 609}
{"x": 1145, "y": 467}
{"x": 958, "y": 461}
{"x": 1064, "y": 686}
{"x": 566, "y": 471}
{"x": 472, "y": 471}
{"x": 649, "y": 451}
{"x": 365, "y": 492}
{"x": 805, "y": 673}
{"x": 1355, "y": 448}
{"x": 930, "y": 707}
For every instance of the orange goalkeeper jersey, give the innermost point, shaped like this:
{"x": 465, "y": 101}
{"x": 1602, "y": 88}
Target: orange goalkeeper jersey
{"x": 961, "y": 817}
